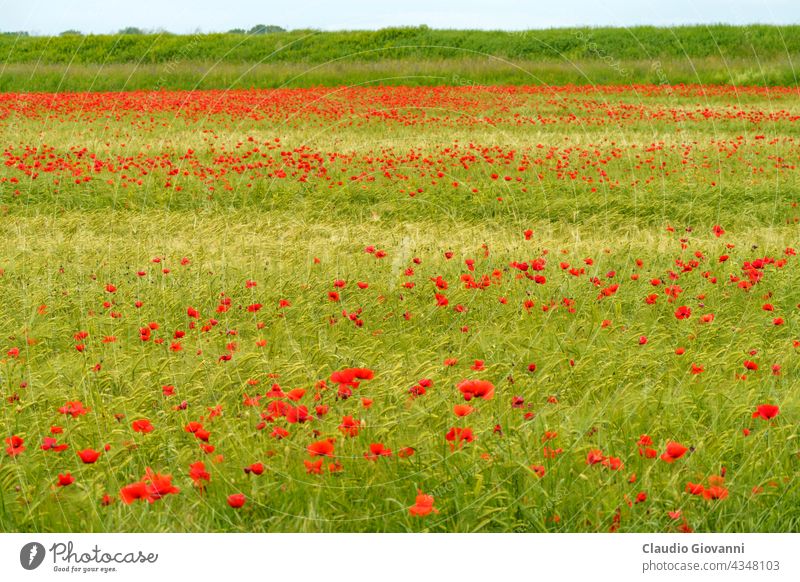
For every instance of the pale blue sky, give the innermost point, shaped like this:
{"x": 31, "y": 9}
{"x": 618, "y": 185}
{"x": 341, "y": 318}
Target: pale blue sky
{"x": 182, "y": 16}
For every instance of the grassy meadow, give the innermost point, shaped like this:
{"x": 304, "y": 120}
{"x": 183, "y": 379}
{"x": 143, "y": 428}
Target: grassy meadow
{"x": 188, "y": 276}
{"x": 719, "y": 54}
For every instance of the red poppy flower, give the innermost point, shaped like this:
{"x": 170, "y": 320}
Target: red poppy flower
{"x": 594, "y": 457}
{"x": 158, "y": 485}
{"x": 51, "y": 444}
{"x": 73, "y": 408}
{"x": 142, "y": 425}
{"x": 132, "y": 492}
{"x": 255, "y": 469}
{"x": 313, "y": 467}
{"x": 89, "y": 456}
{"x": 377, "y": 450}
{"x": 350, "y": 426}
{"x": 766, "y": 411}
{"x": 462, "y": 409}
{"x": 297, "y": 414}
{"x": 15, "y": 446}
{"x": 683, "y": 312}
{"x": 349, "y": 376}
{"x": 279, "y": 433}
{"x": 476, "y": 389}
{"x": 321, "y": 448}
{"x": 458, "y": 436}
{"x": 423, "y": 505}
{"x": 695, "y": 488}
{"x": 674, "y": 452}
{"x": 198, "y": 473}
{"x": 65, "y": 479}
{"x": 236, "y": 500}
{"x": 715, "y": 492}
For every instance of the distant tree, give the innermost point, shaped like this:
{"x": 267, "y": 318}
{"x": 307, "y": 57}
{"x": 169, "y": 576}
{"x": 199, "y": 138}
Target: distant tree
{"x": 237, "y": 31}
{"x": 71, "y": 32}
{"x": 131, "y": 30}
{"x": 265, "y": 29}
{"x": 15, "y": 33}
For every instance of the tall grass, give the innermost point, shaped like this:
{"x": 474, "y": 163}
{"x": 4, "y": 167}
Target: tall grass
{"x": 720, "y": 54}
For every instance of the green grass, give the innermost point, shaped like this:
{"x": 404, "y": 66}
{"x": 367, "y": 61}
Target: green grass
{"x": 411, "y": 43}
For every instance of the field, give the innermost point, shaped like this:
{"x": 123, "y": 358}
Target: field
{"x": 407, "y": 56}
{"x": 471, "y": 308}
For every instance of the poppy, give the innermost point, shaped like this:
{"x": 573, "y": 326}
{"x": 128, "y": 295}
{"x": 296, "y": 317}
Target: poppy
{"x": 350, "y": 376}
{"x": 51, "y": 444}
{"x": 131, "y": 493}
{"x": 297, "y": 414}
{"x": 594, "y": 457}
{"x": 538, "y": 470}
{"x": 476, "y": 389}
{"x": 255, "y": 469}
{"x": 236, "y": 500}
{"x": 198, "y": 473}
{"x": 674, "y": 452}
{"x": 321, "y": 448}
{"x": 313, "y": 467}
{"x": 695, "y": 488}
{"x": 15, "y": 446}
{"x": 193, "y": 427}
{"x": 158, "y": 485}
{"x": 350, "y": 426}
{"x": 65, "y": 479}
{"x": 377, "y": 450}
{"x": 458, "y": 436}
{"x": 279, "y": 433}
{"x": 73, "y": 408}
{"x": 715, "y": 492}
{"x": 462, "y": 409}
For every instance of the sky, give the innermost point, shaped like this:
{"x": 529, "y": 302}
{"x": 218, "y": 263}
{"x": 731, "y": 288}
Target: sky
{"x": 187, "y": 16}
